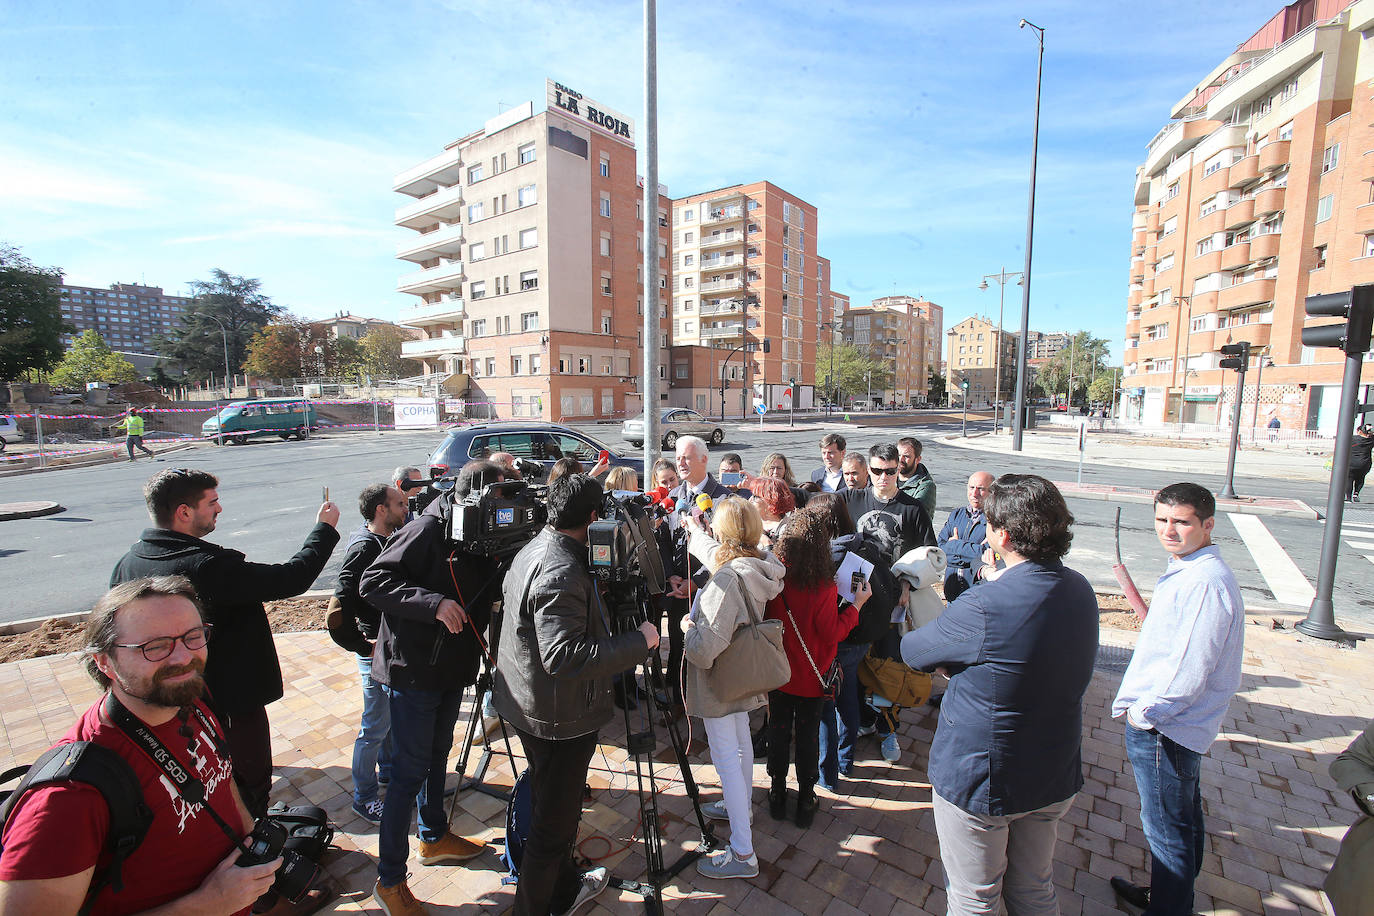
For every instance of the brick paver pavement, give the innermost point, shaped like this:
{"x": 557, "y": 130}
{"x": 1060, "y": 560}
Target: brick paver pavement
{"x": 1274, "y": 818}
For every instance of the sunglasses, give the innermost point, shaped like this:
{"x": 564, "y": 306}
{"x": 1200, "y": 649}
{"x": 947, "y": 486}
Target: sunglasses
{"x": 882, "y": 471}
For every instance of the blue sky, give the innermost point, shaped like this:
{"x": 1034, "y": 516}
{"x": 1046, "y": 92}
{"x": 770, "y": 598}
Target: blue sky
{"x": 153, "y": 141}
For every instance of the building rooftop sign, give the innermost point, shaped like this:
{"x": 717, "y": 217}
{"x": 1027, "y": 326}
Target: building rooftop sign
{"x": 593, "y": 113}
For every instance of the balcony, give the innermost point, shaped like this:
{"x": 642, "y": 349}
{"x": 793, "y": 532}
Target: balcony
{"x": 433, "y": 279}
{"x": 1134, "y": 297}
{"x": 1151, "y": 253}
{"x": 1252, "y": 292}
{"x": 436, "y": 172}
{"x": 1257, "y": 332}
{"x": 1237, "y": 255}
{"x": 1152, "y": 221}
{"x": 722, "y": 286}
{"x": 1274, "y": 155}
{"x": 721, "y": 262}
{"x": 1208, "y": 263}
{"x": 1240, "y": 213}
{"x": 728, "y": 237}
{"x": 1218, "y": 180}
{"x": 1268, "y": 201}
{"x": 1244, "y": 171}
{"x": 1147, "y": 286}
{"x": 1133, "y": 327}
{"x": 1204, "y": 302}
{"x": 722, "y": 331}
{"x": 443, "y": 345}
{"x": 1212, "y": 222}
{"x": 446, "y": 311}
{"x": 1364, "y": 218}
{"x": 1265, "y": 246}
{"x": 718, "y": 215}
{"x": 444, "y": 204}
{"x": 446, "y": 241}
{"x": 722, "y": 308}
{"x": 1138, "y": 239}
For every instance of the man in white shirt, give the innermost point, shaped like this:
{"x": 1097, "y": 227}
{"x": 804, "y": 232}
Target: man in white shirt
{"x": 830, "y": 475}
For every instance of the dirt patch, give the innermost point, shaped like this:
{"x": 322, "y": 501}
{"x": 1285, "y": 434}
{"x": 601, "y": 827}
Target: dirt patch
{"x": 1114, "y": 612}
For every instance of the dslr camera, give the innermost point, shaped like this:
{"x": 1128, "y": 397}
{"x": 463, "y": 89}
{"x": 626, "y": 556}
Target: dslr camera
{"x": 272, "y": 838}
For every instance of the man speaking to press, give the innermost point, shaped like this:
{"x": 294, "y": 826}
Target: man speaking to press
{"x": 554, "y": 669}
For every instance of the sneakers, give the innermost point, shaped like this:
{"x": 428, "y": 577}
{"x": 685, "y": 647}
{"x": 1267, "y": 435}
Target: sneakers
{"x": 716, "y": 811}
{"x": 450, "y": 848}
{"x": 1132, "y": 898}
{"x": 866, "y": 730}
{"x": 727, "y": 865}
{"x": 398, "y": 900}
{"x": 594, "y": 881}
{"x": 370, "y": 812}
{"x": 892, "y": 751}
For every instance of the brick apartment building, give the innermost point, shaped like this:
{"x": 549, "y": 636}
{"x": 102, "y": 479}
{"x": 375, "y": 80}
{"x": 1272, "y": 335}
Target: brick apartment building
{"x": 127, "y": 315}
{"x": 972, "y": 353}
{"x": 905, "y": 333}
{"x": 1255, "y": 195}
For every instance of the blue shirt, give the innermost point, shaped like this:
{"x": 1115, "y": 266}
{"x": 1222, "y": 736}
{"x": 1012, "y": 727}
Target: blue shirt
{"x": 1186, "y": 665}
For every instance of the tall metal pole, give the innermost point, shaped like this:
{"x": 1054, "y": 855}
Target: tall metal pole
{"x": 1228, "y": 490}
{"x": 651, "y": 325}
{"x": 228, "y": 391}
{"x": 1019, "y": 419}
{"x": 1187, "y": 345}
{"x": 1259, "y": 379}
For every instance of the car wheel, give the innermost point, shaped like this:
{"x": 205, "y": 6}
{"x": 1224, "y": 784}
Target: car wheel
{"x": 669, "y": 439}
{"x": 717, "y": 436}
{"x": 240, "y": 440}
{"x": 3, "y": 443}
{"x": 302, "y": 433}
{"x": 637, "y": 443}
{"x": 284, "y": 436}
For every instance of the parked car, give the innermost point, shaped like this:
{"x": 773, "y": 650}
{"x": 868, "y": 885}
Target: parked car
{"x": 283, "y": 417}
{"x": 672, "y": 423}
{"x": 9, "y": 431}
{"x": 540, "y": 442}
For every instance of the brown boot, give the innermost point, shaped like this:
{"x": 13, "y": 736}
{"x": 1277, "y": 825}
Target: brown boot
{"x": 398, "y": 900}
{"x": 450, "y": 848}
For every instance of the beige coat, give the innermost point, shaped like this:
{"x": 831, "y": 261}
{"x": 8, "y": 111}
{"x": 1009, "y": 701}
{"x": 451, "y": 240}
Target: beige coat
{"x": 1350, "y": 885}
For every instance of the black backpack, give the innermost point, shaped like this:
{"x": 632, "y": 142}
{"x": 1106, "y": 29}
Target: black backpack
{"x": 108, "y": 773}
{"x": 519, "y": 812}
{"x": 876, "y": 615}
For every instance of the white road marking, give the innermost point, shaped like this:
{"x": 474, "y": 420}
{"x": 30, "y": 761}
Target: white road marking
{"x": 1360, "y": 545}
{"x": 1281, "y": 574}
{"x": 1345, "y": 525}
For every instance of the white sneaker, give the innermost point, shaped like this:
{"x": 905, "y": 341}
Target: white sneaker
{"x": 726, "y": 864}
{"x": 715, "y": 811}
{"x": 594, "y": 881}
{"x": 866, "y": 730}
{"x": 892, "y": 751}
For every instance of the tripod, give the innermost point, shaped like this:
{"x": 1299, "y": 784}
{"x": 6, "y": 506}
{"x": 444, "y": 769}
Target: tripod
{"x": 629, "y": 609}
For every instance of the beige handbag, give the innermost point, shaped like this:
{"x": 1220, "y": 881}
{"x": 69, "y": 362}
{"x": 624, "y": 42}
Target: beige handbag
{"x": 754, "y": 662}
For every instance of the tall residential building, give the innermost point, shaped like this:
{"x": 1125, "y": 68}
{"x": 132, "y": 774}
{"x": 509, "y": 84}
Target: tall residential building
{"x": 905, "y": 332}
{"x": 1254, "y": 196}
{"x": 1041, "y": 346}
{"x": 127, "y": 315}
{"x": 972, "y": 353}
{"x": 528, "y": 243}
{"x": 745, "y": 270}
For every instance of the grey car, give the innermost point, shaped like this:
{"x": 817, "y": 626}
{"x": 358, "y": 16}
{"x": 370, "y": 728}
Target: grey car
{"x": 534, "y": 441}
{"x": 674, "y": 422}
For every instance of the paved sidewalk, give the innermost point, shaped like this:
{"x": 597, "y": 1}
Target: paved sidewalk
{"x": 1274, "y": 817}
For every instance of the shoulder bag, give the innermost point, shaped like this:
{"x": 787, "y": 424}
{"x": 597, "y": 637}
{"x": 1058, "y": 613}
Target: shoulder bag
{"x": 834, "y": 675}
{"x": 754, "y": 662}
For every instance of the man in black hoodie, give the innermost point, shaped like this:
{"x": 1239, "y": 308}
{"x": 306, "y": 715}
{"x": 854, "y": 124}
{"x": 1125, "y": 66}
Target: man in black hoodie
{"x": 242, "y": 674}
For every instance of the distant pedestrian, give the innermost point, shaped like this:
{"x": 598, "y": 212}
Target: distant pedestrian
{"x": 133, "y": 430}
{"x": 1360, "y": 448}
{"x": 1175, "y": 693}
{"x": 1274, "y": 425}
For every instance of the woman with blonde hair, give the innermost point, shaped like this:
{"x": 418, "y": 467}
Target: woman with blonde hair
{"x": 622, "y": 479}
{"x": 743, "y": 580}
{"x": 777, "y": 465}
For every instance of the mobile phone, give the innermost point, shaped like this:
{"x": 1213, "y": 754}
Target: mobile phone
{"x": 731, "y": 478}
{"x": 326, "y": 494}
{"x": 604, "y": 456}
{"x": 856, "y": 581}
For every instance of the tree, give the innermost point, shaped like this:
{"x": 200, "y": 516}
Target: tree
{"x": 294, "y": 348}
{"x": 31, "y": 323}
{"x": 382, "y": 353}
{"x": 1103, "y": 388}
{"x": 855, "y": 370}
{"x": 275, "y": 353}
{"x": 935, "y": 388}
{"x": 90, "y": 359}
{"x": 1084, "y": 360}
{"x": 238, "y": 304}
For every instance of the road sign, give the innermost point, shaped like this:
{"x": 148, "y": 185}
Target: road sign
{"x": 761, "y": 409}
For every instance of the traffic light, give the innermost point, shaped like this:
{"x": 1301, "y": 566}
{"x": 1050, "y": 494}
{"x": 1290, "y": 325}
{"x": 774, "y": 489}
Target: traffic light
{"x": 1356, "y": 306}
{"x": 1239, "y": 355}
{"x": 963, "y": 383}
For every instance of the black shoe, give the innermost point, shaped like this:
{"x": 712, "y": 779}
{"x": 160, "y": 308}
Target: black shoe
{"x": 1355, "y": 498}
{"x": 1131, "y": 897}
{"x": 777, "y": 802}
{"x": 807, "y": 803}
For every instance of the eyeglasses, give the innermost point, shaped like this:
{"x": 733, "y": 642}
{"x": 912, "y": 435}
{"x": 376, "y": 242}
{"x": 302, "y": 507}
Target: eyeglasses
{"x": 882, "y": 471}
{"x": 155, "y": 650}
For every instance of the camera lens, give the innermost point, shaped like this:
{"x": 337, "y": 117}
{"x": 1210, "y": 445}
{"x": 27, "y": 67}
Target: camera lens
{"x": 295, "y": 876}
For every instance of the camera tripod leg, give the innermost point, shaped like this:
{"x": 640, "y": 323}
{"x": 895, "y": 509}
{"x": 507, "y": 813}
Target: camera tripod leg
{"x": 477, "y": 779}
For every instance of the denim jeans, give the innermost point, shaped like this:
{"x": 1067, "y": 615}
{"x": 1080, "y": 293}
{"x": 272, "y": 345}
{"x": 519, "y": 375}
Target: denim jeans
{"x": 372, "y": 749}
{"x": 422, "y": 723}
{"x": 840, "y": 717}
{"x": 1167, "y": 777}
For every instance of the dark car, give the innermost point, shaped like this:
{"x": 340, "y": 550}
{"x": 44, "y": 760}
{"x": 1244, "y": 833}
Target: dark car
{"x": 544, "y": 443}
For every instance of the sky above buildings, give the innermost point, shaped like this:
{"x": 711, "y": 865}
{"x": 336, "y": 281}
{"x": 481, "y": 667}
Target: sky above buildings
{"x": 154, "y": 141}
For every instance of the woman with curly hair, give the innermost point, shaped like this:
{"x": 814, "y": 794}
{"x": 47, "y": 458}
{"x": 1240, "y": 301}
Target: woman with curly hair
{"x": 813, "y": 625}
{"x": 775, "y": 502}
{"x": 743, "y": 579}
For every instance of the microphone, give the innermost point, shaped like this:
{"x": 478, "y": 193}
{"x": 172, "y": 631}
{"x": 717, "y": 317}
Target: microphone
{"x": 705, "y": 503}
{"x": 682, "y": 505}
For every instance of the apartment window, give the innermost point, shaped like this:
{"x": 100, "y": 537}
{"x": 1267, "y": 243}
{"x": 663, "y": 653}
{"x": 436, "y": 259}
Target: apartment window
{"x": 688, "y": 260}
{"x": 476, "y": 290}
{"x": 1369, "y": 246}
{"x": 529, "y": 279}
{"x": 605, "y": 324}
{"x": 1167, "y": 262}
{"x": 1286, "y": 131}
{"x": 475, "y": 174}
{"x": 605, "y": 244}
{"x": 605, "y": 284}
{"x": 786, "y": 280}
{"x": 1203, "y": 247}
{"x": 1321, "y": 257}
{"x": 1166, "y": 296}
{"x": 680, "y": 370}
{"x": 1199, "y": 324}
{"x": 491, "y": 365}
{"x": 1158, "y": 332}
{"x": 1237, "y": 235}
{"x": 1209, "y": 206}
{"x": 584, "y": 365}
{"x": 688, "y": 215}
{"x": 476, "y": 211}
{"x": 1324, "y": 208}
{"x": 478, "y": 327}
{"x": 687, "y": 282}
{"x": 1331, "y": 157}
{"x": 516, "y": 365}
{"x": 526, "y": 196}
{"x": 477, "y": 251}
{"x": 529, "y": 321}
{"x": 605, "y": 167}
{"x": 1170, "y": 227}
{"x": 536, "y": 363}
{"x": 1290, "y": 89}
{"x": 605, "y": 204}
{"x": 526, "y": 153}
{"x": 529, "y": 238}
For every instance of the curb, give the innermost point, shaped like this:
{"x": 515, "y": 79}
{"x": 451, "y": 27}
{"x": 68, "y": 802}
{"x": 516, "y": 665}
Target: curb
{"x": 1299, "y": 509}
{"x": 12, "y": 511}
{"x": 111, "y": 459}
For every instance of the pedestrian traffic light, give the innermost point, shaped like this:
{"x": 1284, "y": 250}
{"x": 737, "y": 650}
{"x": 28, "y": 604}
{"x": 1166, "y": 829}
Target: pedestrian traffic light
{"x": 1356, "y": 306}
{"x": 1238, "y": 355}
{"x": 963, "y": 383}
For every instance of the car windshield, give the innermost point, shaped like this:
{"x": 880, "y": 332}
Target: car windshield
{"x": 231, "y": 411}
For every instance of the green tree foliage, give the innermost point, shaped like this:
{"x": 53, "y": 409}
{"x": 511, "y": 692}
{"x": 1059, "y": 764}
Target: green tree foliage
{"x": 855, "y": 368}
{"x": 90, "y": 359}
{"x": 937, "y": 388}
{"x": 1084, "y": 361}
{"x": 236, "y": 303}
{"x": 294, "y": 348}
{"x": 275, "y": 353}
{"x": 382, "y": 354}
{"x": 31, "y": 323}
{"x": 1103, "y": 388}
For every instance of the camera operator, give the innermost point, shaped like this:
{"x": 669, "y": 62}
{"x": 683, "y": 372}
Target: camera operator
{"x": 435, "y": 603}
{"x": 146, "y": 645}
{"x": 553, "y": 684}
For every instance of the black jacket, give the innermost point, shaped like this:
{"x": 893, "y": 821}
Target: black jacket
{"x": 359, "y": 621}
{"x": 681, "y": 560}
{"x": 406, "y": 582}
{"x": 557, "y": 653}
{"x": 1360, "y": 448}
{"x": 241, "y": 670}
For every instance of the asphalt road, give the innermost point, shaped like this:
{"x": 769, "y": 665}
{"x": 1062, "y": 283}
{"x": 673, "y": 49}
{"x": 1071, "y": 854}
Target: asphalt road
{"x": 271, "y": 491}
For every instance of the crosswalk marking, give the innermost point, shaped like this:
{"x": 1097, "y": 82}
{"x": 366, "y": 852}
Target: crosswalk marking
{"x": 1345, "y": 525}
{"x": 1360, "y": 545}
{"x": 1282, "y": 575}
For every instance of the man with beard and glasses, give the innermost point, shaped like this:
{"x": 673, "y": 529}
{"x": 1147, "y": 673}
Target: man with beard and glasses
{"x": 244, "y": 675}
{"x": 146, "y": 645}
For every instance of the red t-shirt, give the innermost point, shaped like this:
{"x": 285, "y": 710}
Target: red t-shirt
{"x": 822, "y": 625}
{"x": 60, "y": 830}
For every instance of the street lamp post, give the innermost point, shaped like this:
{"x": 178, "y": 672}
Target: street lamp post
{"x": 834, "y": 388}
{"x": 1019, "y": 419}
{"x": 1259, "y": 377}
{"x": 228, "y": 391}
{"x": 1001, "y": 278}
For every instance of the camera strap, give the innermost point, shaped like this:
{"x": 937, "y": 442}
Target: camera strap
{"x": 191, "y": 790}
